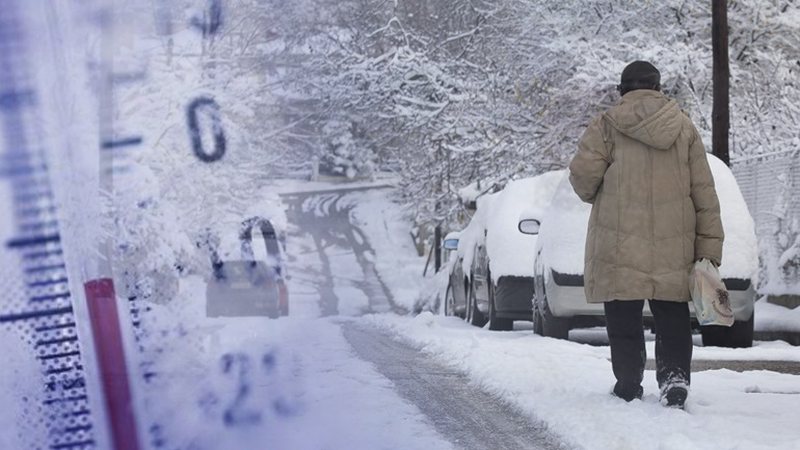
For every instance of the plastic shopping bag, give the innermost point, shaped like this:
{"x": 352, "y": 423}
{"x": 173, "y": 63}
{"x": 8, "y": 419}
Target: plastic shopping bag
{"x": 709, "y": 295}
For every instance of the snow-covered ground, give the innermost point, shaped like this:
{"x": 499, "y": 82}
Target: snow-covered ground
{"x": 771, "y": 317}
{"x": 567, "y": 385}
{"x": 293, "y": 383}
{"x": 297, "y": 382}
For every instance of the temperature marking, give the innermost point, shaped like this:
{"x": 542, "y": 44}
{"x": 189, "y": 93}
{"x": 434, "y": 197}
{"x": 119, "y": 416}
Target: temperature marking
{"x": 15, "y": 99}
{"x": 79, "y": 444}
{"x": 44, "y": 254}
{"x": 33, "y": 241}
{"x": 132, "y": 77}
{"x": 124, "y": 142}
{"x": 57, "y": 340}
{"x": 44, "y": 298}
{"x": 53, "y": 268}
{"x": 48, "y": 282}
{"x": 44, "y": 312}
{"x": 36, "y": 314}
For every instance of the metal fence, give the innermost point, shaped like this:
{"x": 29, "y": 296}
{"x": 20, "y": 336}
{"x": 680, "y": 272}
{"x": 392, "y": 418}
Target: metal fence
{"x": 769, "y": 184}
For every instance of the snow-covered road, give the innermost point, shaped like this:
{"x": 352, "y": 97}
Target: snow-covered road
{"x": 331, "y": 261}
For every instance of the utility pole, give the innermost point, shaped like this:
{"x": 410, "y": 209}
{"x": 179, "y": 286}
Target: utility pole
{"x": 720, "y": 115}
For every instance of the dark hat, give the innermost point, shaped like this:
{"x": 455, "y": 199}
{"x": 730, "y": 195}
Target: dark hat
{"x": 639, "y": 75}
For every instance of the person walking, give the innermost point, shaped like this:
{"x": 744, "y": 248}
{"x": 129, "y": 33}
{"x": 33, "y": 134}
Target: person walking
{"x": 655, "y": 211}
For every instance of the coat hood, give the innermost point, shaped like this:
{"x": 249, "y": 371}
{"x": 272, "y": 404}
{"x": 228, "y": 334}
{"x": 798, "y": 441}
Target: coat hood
{"x": 649, "y": 117}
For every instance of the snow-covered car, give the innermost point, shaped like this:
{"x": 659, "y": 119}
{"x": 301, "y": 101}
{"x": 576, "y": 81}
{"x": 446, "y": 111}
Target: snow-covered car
{"x": 560, "y": 303}
{"x": 248, "y": 274}
{"x": 492, "y": 279}
{"x": 454, "y": 298}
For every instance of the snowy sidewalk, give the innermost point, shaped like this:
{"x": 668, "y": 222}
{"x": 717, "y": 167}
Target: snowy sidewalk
{"x": 469, "y": 417}
{"x": 567, "y": 385}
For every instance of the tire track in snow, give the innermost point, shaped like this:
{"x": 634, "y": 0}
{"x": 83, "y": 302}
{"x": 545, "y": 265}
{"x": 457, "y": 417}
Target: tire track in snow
{"x": 468, "y": 417}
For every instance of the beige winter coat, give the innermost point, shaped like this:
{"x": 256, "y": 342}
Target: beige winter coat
{"x": 655, "y": 211}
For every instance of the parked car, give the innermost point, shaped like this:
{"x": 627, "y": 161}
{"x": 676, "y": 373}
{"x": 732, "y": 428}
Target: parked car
{"x": 492, "y": 278}
{"x": 248, "y": 274}
{"x": 559, "y": 300}
{"x": 454, "y": 298}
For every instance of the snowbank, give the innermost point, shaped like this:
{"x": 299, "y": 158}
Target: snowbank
{"x": 433, "y": 290}
{"x": 770, "y": 317}
{"x": 567, "y": 385}
{"x": 563, "y": 232}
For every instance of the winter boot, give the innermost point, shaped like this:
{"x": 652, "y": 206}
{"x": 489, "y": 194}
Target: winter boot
{"x": 673, "y": 395}
{"x": 628, "y": 392}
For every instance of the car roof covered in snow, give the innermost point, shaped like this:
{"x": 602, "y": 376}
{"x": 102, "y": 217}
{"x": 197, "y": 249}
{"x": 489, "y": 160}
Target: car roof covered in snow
{"x": 510, "y": 252}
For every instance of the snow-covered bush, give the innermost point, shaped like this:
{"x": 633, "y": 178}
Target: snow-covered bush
{"x": 346, "y": 155}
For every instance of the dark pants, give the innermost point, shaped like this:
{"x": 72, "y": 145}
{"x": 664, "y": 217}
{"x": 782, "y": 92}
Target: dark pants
{"x": 626, "y": 337}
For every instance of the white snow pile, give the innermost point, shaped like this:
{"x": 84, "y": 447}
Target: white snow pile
{"x": 740, "y": 248}
{"x": 563, "y": 232}
{"x": 433, "y": 290}
{"x": 771, "y": 317}
{"x": 469, "y": 193}
{"x": 567, "y": 385}
{"x": 511, "y": 252}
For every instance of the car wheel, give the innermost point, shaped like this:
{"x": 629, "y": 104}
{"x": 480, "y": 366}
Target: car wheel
{"x": 537, "y": 321}
{"x": 474, "y": 315}
{"x": 546, "y": 324}
{"x": 449, "y": 302}
{"x": 738, "y": 335}
{"x": 497, "y": 323}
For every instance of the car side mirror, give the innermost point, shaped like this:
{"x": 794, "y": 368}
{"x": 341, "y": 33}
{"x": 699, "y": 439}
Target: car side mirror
{"x": 450, "y": 244}
{"x": 529, "y": 226}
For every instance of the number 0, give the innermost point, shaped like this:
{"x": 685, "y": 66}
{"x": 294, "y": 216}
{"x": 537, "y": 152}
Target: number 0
{"x": 192, "y": 112}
